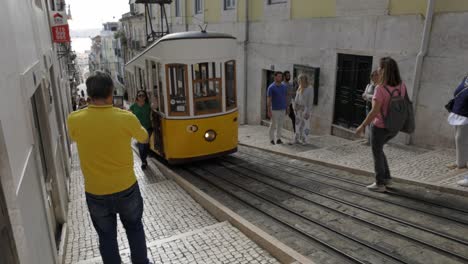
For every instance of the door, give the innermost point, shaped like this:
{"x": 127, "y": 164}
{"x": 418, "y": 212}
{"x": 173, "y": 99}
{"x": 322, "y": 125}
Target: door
{"x": 7, "y": 245}
{"x": 353, "y": 74}
{"x": 158, "y": 133}
{"x": 270, "y": 78}
{"x": 43, "y": 143}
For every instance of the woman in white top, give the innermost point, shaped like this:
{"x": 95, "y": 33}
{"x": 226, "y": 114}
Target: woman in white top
{"x": 303, "y": 109}
{"x": 368, "y": 95}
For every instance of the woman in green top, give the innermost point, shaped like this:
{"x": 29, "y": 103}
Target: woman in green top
{"x": 141, "y": 108}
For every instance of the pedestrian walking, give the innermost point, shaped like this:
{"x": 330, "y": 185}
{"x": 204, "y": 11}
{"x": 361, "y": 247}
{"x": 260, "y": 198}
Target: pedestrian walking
{"x": 303, "y": 104}
{"x": 389, "y": 83}
{"x": 82, "y": 103}
{"x": 367, "y": 96}
{"x": 277, "y": 104}
{"x": 291, "y": 96}
{"x": 142, "y": 109}
{"x": 103, "y": 136}
{"x": 458, "y": 118}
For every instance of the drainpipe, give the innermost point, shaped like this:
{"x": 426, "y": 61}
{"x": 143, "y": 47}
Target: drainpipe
{"x": 420, "y": 58}
{"x": 186, "y": 16}
{"x": 246, "y": 42}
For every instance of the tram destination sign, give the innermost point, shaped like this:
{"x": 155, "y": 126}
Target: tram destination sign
{"x": 59, "y": 27}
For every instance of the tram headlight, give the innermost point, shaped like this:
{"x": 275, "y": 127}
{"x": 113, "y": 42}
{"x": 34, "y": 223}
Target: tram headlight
{"x": 210, "y": 135}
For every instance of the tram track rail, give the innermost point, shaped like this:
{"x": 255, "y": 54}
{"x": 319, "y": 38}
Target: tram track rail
{"x": 463, "y": 219}
{"x": 394, "y": 218}
{"x": 238, "y": 175}
{"x": 430, "y": 203}
{"x": 346, "y": 256}
{"x": 412, "y": 238}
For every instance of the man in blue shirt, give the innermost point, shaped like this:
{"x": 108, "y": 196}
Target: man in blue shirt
{"x": 277, "y": 103}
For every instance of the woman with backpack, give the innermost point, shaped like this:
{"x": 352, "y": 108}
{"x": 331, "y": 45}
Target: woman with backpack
{"x": 458, "y": 118}
{"x": 389, "y": 84}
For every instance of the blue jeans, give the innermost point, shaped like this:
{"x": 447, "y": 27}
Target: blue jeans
{"x": 104, "y": 209}
{"x": 143, "y": 148}
{"x": 380, "y": 137}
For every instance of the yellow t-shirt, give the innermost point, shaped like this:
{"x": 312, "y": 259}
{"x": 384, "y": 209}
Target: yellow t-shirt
{"x": 103, "y": 135}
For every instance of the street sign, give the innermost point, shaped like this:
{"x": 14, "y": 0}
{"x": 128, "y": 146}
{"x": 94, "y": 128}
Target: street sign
{"x": 60, "y": 29}
{"x": 61, "y": 34}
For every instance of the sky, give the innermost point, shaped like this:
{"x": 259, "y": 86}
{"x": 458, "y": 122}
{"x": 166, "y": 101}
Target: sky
{"x": 91, "y": 14}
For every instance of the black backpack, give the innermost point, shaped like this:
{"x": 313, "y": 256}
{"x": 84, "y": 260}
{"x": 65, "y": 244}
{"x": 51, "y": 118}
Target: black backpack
{"x": 400, "y": 114}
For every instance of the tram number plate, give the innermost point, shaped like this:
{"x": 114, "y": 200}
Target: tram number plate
{"x": 181, "y": 108}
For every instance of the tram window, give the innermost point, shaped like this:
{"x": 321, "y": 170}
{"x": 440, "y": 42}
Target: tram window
{"x": 176, "y": 78}
{"x": 206, "y": 88}
{"x": 230, "y": 76}
{"x": 155, "y": 87}
{"x": 162, "y": 100}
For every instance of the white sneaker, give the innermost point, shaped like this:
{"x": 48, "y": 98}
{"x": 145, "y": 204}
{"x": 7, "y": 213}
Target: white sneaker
{"x": 464, "y": 182}
{"x": 376, "y": 188}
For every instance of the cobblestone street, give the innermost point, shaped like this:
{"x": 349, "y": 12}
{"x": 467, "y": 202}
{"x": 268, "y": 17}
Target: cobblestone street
{"x": 178, "y": 229}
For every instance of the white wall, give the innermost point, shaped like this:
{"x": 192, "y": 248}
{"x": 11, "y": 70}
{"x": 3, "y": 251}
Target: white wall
{"x": 25, "y": 44}
{"x": 443, "y": 70}
{"x": 316, "y": 43}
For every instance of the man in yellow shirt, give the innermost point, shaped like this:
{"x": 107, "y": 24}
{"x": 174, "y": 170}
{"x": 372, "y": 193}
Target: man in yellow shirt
{"x": 103, "y": 136}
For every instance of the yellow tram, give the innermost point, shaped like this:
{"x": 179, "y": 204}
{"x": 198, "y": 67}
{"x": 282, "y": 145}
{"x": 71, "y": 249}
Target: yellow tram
{"x": 191, "y": 80}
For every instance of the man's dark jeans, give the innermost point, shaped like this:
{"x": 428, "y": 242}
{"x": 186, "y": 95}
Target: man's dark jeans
{"x": 379, "y": 137}
{"x": 104, "y": 209}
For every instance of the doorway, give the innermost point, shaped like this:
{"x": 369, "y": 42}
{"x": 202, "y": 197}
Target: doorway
{"x": 269, "y": 79}
{"x": 353, "y": 75}
{"x": 7, "y": 247}
{"x": 42, "y": 135}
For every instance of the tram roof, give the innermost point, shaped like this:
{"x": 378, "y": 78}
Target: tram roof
{"x": 185, "y": 35}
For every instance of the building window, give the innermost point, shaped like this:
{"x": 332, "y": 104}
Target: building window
{"x": 38, "y": 3}
{"x": 206, "y": 88}
{"x": 177, "y": 8}
{"x": 272, "y": 2}
{"x": 198, "y": 7}
{"x": 52, "y": 5}
{"x": 229, "y": 4}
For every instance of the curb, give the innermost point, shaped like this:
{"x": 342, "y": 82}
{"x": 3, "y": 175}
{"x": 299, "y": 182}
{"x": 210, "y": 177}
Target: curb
{"x": 63, "y": 244}
{"x": 277, "y": 249}
{"x": 429, "y": 186}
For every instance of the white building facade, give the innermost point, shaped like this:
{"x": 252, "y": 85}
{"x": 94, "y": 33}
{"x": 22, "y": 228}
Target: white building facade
{"x": 34, "y": 146}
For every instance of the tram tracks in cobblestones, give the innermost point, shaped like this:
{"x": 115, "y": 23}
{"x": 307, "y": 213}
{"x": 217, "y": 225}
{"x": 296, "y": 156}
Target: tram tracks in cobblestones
{"x": 355, "y": 232}
{"x": 360, "y": 184}
{"x": 299, "y": 230}
{"x": 448, "y": 215}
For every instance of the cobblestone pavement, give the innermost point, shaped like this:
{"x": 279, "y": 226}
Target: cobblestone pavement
{"x": 406, "y": 162}
{"x": 178, "y": 229}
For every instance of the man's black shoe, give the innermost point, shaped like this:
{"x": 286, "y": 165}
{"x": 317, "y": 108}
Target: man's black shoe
{"x": 279, "y": 141}
{"x": 272, "y": 142}
{"x": 144, "y": 165}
